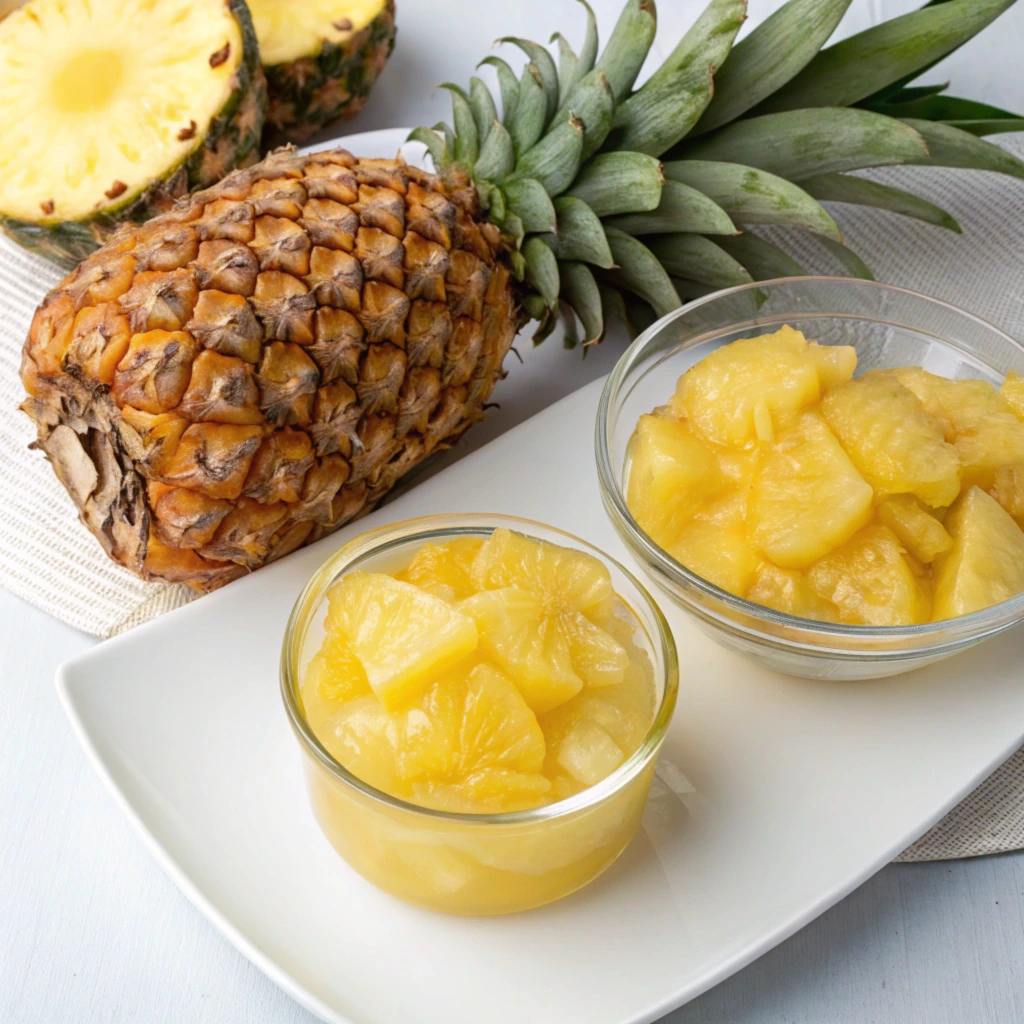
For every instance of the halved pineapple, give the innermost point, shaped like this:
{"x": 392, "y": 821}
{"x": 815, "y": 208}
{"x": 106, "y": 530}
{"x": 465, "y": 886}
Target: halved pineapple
{"x": 111, "y": 111}
{"x": 807, "y": 496}
{"x": 917, "y": 529}
{"x": 897, "y": 446}
{"x": 1012, "y": 393}
{"x": 986, "y": 562}
{"x": 671, "y": 476}
{"x": 748, "y": 389}
{"x": 445, "y": 570}
{"x": 872, "y": 582}
{"x": 789, "y": 591}
{"x": 403, "y": 636}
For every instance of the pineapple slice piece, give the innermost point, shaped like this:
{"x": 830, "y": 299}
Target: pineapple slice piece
{"x": 807, "y": 496}
{"x": 872, "y": 582}
{"x": 892, "y": 440}
{"x": 588, "y": 753}
{"x": 733, "y": 394}
{"x": 671, "y": 476}
{"x": 957, "y": 404}
{"x": 333, "y": 676}
{"x": 404, "y": 637}
{"x": 1008, "y": 489}
{"x": 789, "y": 591}
{"x": 986, "y": 562}
{"x": 1012, "y": 393}
{"x": 835, "y": 363}
{"x": 444, "y": 570}
{"x": 716, "y": 547}
{"x": 917, "y": 529}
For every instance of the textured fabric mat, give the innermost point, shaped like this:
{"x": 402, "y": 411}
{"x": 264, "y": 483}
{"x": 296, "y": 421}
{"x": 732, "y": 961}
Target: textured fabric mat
{"x": 48, "y": 558}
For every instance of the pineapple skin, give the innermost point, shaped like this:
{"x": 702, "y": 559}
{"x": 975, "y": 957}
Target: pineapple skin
{"x": 232, "y": 140}
{"x": 306, "y": 94}
{"x": 258, "y": 366}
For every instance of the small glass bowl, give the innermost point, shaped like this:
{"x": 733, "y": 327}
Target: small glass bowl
{"x": 888, "y": 327}
{"x": 473, "y": 863}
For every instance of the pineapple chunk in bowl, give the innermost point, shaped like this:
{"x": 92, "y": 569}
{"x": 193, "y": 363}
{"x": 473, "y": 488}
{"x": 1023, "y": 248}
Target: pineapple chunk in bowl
{"x": 889, "y": 328}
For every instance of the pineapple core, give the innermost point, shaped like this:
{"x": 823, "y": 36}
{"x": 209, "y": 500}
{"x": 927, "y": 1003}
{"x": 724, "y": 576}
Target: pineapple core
{"x": 488, "y": 675}
{"x": 778, "y": 477}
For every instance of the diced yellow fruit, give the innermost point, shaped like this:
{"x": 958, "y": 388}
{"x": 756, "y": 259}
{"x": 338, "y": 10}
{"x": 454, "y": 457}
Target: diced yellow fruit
{"x": 718, "y": 395}
{"x": 917, "y": 529}
{"x": 897, "y": 446}
{"x": 671, "y": 476}
{"x": 716, "y": 547}
{"x": 986, "y": 562}
{"x": 871, "y": 582}
{"x": 404, "y": 637}
{"x": 334, "y": 675}
{"x": 788, "y": 590}
{"x": 444, "y": 570}
{"x": 1012, "y": 393}
{"x": 991, "y": 444}
{"x": 1008, "y": 489}
{"x": 961, "y": 403}
{"x": 564, "y": 577}
{"x": 807, "y": 497}
{"x": 737, "y": 466}
{"x": 588, "y": 753}
{"x": 487, "y": 791}
{"x": 835, "y": 363}
{"x": 597, "y": 657}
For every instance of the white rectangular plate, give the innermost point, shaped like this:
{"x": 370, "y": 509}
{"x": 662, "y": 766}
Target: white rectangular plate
{"x": 776, "y": 796}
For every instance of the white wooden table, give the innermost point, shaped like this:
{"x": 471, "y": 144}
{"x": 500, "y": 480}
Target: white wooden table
{"x": 92, "y": 931}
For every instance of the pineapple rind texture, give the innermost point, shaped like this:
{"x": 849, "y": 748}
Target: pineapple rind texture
{"x": 230, "y": 140}
{"x": 258, "y": 366}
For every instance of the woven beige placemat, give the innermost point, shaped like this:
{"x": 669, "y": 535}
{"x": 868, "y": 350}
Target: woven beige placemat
{"x": 48, "y": 558}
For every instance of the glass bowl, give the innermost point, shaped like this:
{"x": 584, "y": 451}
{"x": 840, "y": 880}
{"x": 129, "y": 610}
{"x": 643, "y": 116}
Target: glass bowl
{"x": 888, "y": 327}
{"x": 473, "y": 863}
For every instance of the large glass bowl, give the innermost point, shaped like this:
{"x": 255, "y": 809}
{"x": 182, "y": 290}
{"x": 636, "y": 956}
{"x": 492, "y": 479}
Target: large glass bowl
{"x": 473, "y": 863}
{"x": 888, "y": 327}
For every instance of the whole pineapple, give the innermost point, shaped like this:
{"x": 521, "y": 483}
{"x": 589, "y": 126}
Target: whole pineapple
{"x": 258, "y": 366}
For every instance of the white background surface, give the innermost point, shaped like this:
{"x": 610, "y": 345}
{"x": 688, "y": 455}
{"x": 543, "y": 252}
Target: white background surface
{"x": 91, "y": 930}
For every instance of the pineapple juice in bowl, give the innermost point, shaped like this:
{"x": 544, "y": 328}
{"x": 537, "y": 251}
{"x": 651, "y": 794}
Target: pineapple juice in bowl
{"x": 745, "y": 551}
{"x": 444, "y": 761}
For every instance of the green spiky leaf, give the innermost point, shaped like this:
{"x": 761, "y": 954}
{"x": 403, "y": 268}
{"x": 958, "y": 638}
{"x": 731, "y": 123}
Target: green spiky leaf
{"x": 527, "y": 123}
{"x": 751, "y": 195}
{"x": 555, "y": 159}
{"x": 535, "y": 306}
{"x": 541, "y": 269}
{"x": 592, "y": 102}
{"x": 682, "y": 208}
{"x": 613, "y": 307}
{"x": 627, "y": 47}
{"x": 508, "y": 86}
{"x": 995, "y": 126}
{"x": 497, "y": 156}
{"x": 579, "y": 289}
{"x": 934, "y": 107}
{"x": 638, "y": 269}
{"x": 449, "y": 137}
{"x": 848, "y": 259}
{"x": 580, "y": 236}
{"x": 762, "y": 260}
{"x": 697, "y": 258}
{"x": 952, "y": 147}
{"x": 545, "y": 65}
{"x": 573, "y": 68}
{"x": 435, "y": 146}
{"x": 531, "y": 203}
{"x": 613, "y": 183}
{"x": 844, "y": 188}
{"x": 485, "y": 113}
{"x": 467, "y": 143}
{"x": 513, "y": 225}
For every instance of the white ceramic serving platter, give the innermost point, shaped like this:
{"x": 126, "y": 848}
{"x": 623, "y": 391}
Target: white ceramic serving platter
{"x": 775, "y": 797}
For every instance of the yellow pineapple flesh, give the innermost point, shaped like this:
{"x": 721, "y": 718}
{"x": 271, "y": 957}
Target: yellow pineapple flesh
{"x": 790, "y": 591}
{"x": 917, "y": 529}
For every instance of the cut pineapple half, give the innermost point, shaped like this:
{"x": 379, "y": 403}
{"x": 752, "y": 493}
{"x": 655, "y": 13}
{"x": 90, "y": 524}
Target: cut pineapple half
{"x": 106, "y": 104}
{"x": 403, "y": 636}
{"x": 288, "y": 30}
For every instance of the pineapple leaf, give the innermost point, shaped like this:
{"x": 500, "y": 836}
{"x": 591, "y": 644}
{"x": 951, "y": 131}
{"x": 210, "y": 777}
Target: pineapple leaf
{"x": 910, "y": 92}
{"x": 690, "y": 290}
{"x": 844, "y": 188}
{"x": 579, "y": 235}
{"x": 508, "y": 86}
{"x": 592, "y": 102}
{"x": 518, "y": 264}
{"x": 485, "y": 113}
{"x": 798, "y": 144}
{"x": 449, "y": 137}
{"x": 613, "y": 307}
{"x": 527, "y": 124}
{"x": 697, "y": 258}
{"x": 579, "y": 289}
{"x": 682, "y": 208}
{"x": 435, "y": 146}
{"x": 496, "y": 210}
{"x": 951, "y": 147}
{"x": 627, "y": 47}
{"x": 613, "y": 183}
{"x": 535, "y": 306}
{"x": 848, "y": 259}
{"x": 762, "y": 260}
{"x": 513, "y": 225}
{"x": 467, "y": 144}
{"x": 639, "y": 270}
{"x": 932, "y": 107}
{"x": 858, "y": 67}
{"x": 672, "y": 100}
{"x": 770, "y": 56}
{"x": 588, "y": 52}
{"x": 527, "y": 198}
{"x": 554, "y": 160}
{"x": 568, "y": 67}
{"x": 541, "y": 269}
{"x": 539, "y": 57}
{"x": 754, "y": 196}
{"x": 567, "y": 316}
{"x": 497, "y": 155}
{"x": 640, "y": 313}
{"x": 547, "y": 326}
{"x": 989, "y": 127}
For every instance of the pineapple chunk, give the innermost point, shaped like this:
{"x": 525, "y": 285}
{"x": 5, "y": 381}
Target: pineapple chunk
{"x": 671, "y": 476}
{"x": 716, "y": 547}
{"x": 788, "y": 590}
{"x": 807, "y": 497}
{"x": 1012, "y": 393}
{"x": 588, "y": 753}
{"x": 986, "y": 562}
{"x": 1008, "y": 489}
{"x": 334, "y": 675}
{"x": 957, "y": 404}
{"x": 722, "y": 393}
{"x": 444, "y": 570}
{"x": 835, "y": 363}
{"x": 403, "y": 636}
{"x": 871, "y": 582}
{"x": 992, "y": 444}
{"x": 917, "y": 529}
{"x": 889, "y": 437}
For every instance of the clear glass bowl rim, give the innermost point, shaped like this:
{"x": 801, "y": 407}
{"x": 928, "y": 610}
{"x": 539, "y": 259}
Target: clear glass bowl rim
{"x": 980, "y": 623}
{"x": 427, "y": 528}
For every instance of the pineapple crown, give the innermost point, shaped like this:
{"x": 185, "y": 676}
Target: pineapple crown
{"x": 623, "y": 203}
